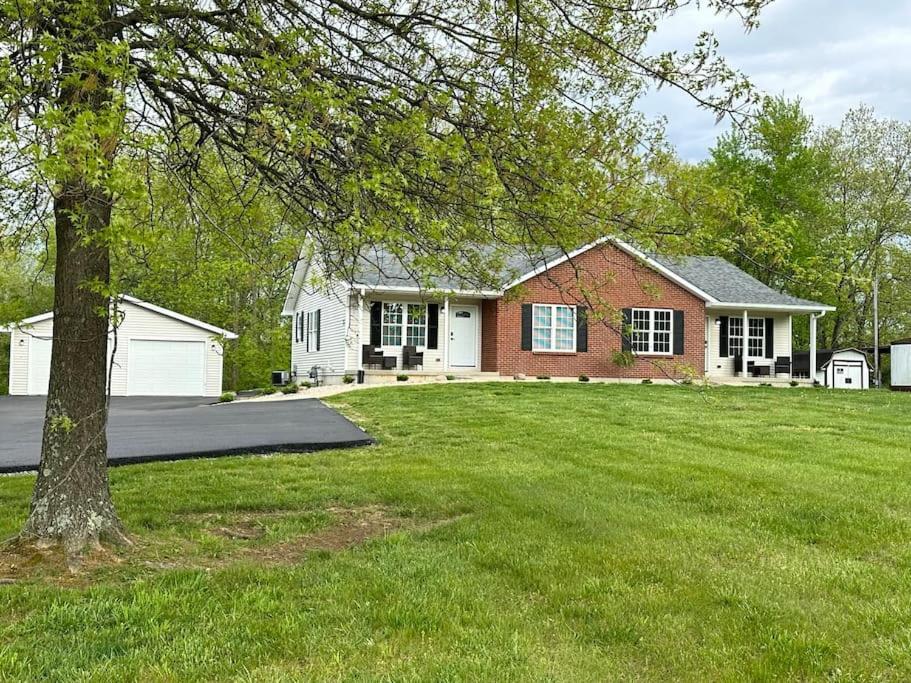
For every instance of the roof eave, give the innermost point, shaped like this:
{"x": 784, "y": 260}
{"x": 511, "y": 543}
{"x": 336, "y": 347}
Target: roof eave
{"x": 787, "y": 308}
{"x": 410, "y": 289}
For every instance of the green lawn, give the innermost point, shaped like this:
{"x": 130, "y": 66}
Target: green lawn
{"x": 558, "y": 532}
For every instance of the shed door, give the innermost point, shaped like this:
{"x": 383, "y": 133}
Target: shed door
{"x": 39, "y": 365}
{"x": 848, "y": 376}
{"x": 166, "y": 368}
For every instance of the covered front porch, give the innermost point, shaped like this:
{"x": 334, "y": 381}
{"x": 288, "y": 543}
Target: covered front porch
{"x": 754, "y": 344}
{"x": 396, "y": 331}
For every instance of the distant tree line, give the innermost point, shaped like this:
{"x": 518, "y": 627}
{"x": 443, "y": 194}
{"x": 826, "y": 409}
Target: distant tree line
{"x": 818, "y": 211}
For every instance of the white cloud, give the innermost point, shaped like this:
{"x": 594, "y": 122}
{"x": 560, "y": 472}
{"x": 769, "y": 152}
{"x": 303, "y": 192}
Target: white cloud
{"x": 832, "y": 54}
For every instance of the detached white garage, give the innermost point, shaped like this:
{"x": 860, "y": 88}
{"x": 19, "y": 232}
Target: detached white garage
{"x": 158, "y": 353}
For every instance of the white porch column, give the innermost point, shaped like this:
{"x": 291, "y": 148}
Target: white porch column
{"x": 791, "y": 346}
{"x": 445, "y": 313}
{"x": 360, "y": 330}
{"x": 812, "y": 346}
{"x": 746, "y": 339}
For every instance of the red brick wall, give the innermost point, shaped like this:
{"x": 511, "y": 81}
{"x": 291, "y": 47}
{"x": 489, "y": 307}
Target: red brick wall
{"x": 489, "y": 310}
{"x": 610, "y": 280}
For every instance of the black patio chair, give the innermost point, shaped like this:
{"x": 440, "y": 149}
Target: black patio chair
{"x": 783, "y": 365}
{"x": 373, "y": 355}
{"x": 411, "y": 357}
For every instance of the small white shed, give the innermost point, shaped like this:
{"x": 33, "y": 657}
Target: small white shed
{"x": 845, "y": 369}
{"x": 159, "y": 353}
{"x": 900, "y": 365}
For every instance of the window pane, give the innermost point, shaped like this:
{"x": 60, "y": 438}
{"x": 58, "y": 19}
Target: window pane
{"x": 542, "y": 316}
{"x": 565, "y": 332}
{"x": 641, "y": 330}
{"x": 392, "y": 324}
{"x": 542, "y": 319}
{"x": 417, "y": 314}
{"x": 564, "y": 340}
{"x": 735, "y": 336}
{"x": 661, "y": 335}
{"x": 416, "y": 331}
{"x": 566, "y": 317}
{"x": 756, "y": 343}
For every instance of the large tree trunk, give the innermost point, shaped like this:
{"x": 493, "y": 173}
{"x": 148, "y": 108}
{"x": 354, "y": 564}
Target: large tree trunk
{"x": 72, "y": 502}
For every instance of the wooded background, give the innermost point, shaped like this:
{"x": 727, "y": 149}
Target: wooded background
{"x": 817, "y": 211}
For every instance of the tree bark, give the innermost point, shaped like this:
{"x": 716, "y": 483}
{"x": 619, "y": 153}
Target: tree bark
{"x": 71, "y": 503}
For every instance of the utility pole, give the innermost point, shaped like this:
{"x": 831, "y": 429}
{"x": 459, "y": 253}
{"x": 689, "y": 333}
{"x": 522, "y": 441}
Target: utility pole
{"x": 876, "y": 374}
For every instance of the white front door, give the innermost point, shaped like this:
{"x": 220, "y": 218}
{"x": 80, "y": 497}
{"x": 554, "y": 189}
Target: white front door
{"x": 849, "y": 376}
{"x": 463, "y": 336}
{"x": 166, "y": 368}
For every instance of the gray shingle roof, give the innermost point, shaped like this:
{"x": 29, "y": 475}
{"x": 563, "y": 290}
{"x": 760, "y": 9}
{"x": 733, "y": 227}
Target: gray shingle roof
{"x": 379, "y": 268}
{"x": 726, "y": 282}
{"x": 712, "y": 274}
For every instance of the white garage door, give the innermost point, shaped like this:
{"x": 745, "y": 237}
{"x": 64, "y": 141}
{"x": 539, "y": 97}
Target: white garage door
{"x": 166, "y": 368}
{"x": 39, "y": 365}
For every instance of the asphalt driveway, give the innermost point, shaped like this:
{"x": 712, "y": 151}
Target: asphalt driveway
{"x": 144, "y": 429}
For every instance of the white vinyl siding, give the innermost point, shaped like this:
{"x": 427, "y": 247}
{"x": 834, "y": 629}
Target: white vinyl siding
{"x": 332, "y": 303}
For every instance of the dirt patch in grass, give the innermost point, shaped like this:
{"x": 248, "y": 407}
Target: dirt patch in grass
{"x": 216, "y": 541}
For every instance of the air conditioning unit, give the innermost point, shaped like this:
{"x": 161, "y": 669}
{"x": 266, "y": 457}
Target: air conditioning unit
{"x": 280, "y": 377}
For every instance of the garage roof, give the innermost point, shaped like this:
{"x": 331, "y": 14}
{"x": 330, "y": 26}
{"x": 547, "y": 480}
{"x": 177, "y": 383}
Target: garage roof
{"x": 221, "y": 332}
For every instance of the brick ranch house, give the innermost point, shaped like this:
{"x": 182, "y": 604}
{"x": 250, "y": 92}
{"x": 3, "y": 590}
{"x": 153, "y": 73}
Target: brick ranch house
{"x": 606, "y": 310}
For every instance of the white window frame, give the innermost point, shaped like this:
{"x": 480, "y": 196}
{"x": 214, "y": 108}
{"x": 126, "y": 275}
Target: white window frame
{"x": 311, "y": 331}
{"x": 735, "y": 337}
{"x": 403, "y": 326}
{"x": 745, "y": 339}
{"x": 422, "y": 327}
{"x": 650, "y": 331}
{"x": 553, "y": 328}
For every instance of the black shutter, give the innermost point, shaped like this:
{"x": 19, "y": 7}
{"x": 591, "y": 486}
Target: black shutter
{"x": 307, "y": 332}
{"x": 678, "y": 333}
{"x": 376, "y": 323}
{"x": 626, "y": 333}
{"x": 723, "y": 337}
{"x": 318, "y": 326}
{"x": 296, "y": 336}
{"x": 770, "y": 337}
{"x": 300, "y": 326}
{"x": 433, "y": 326}
{"x": 526, "y": 327}
{"x": 581, "y": 329}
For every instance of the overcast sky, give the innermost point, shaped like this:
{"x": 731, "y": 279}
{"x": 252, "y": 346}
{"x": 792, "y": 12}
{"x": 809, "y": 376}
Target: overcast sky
{"x": 833, "y": 54}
